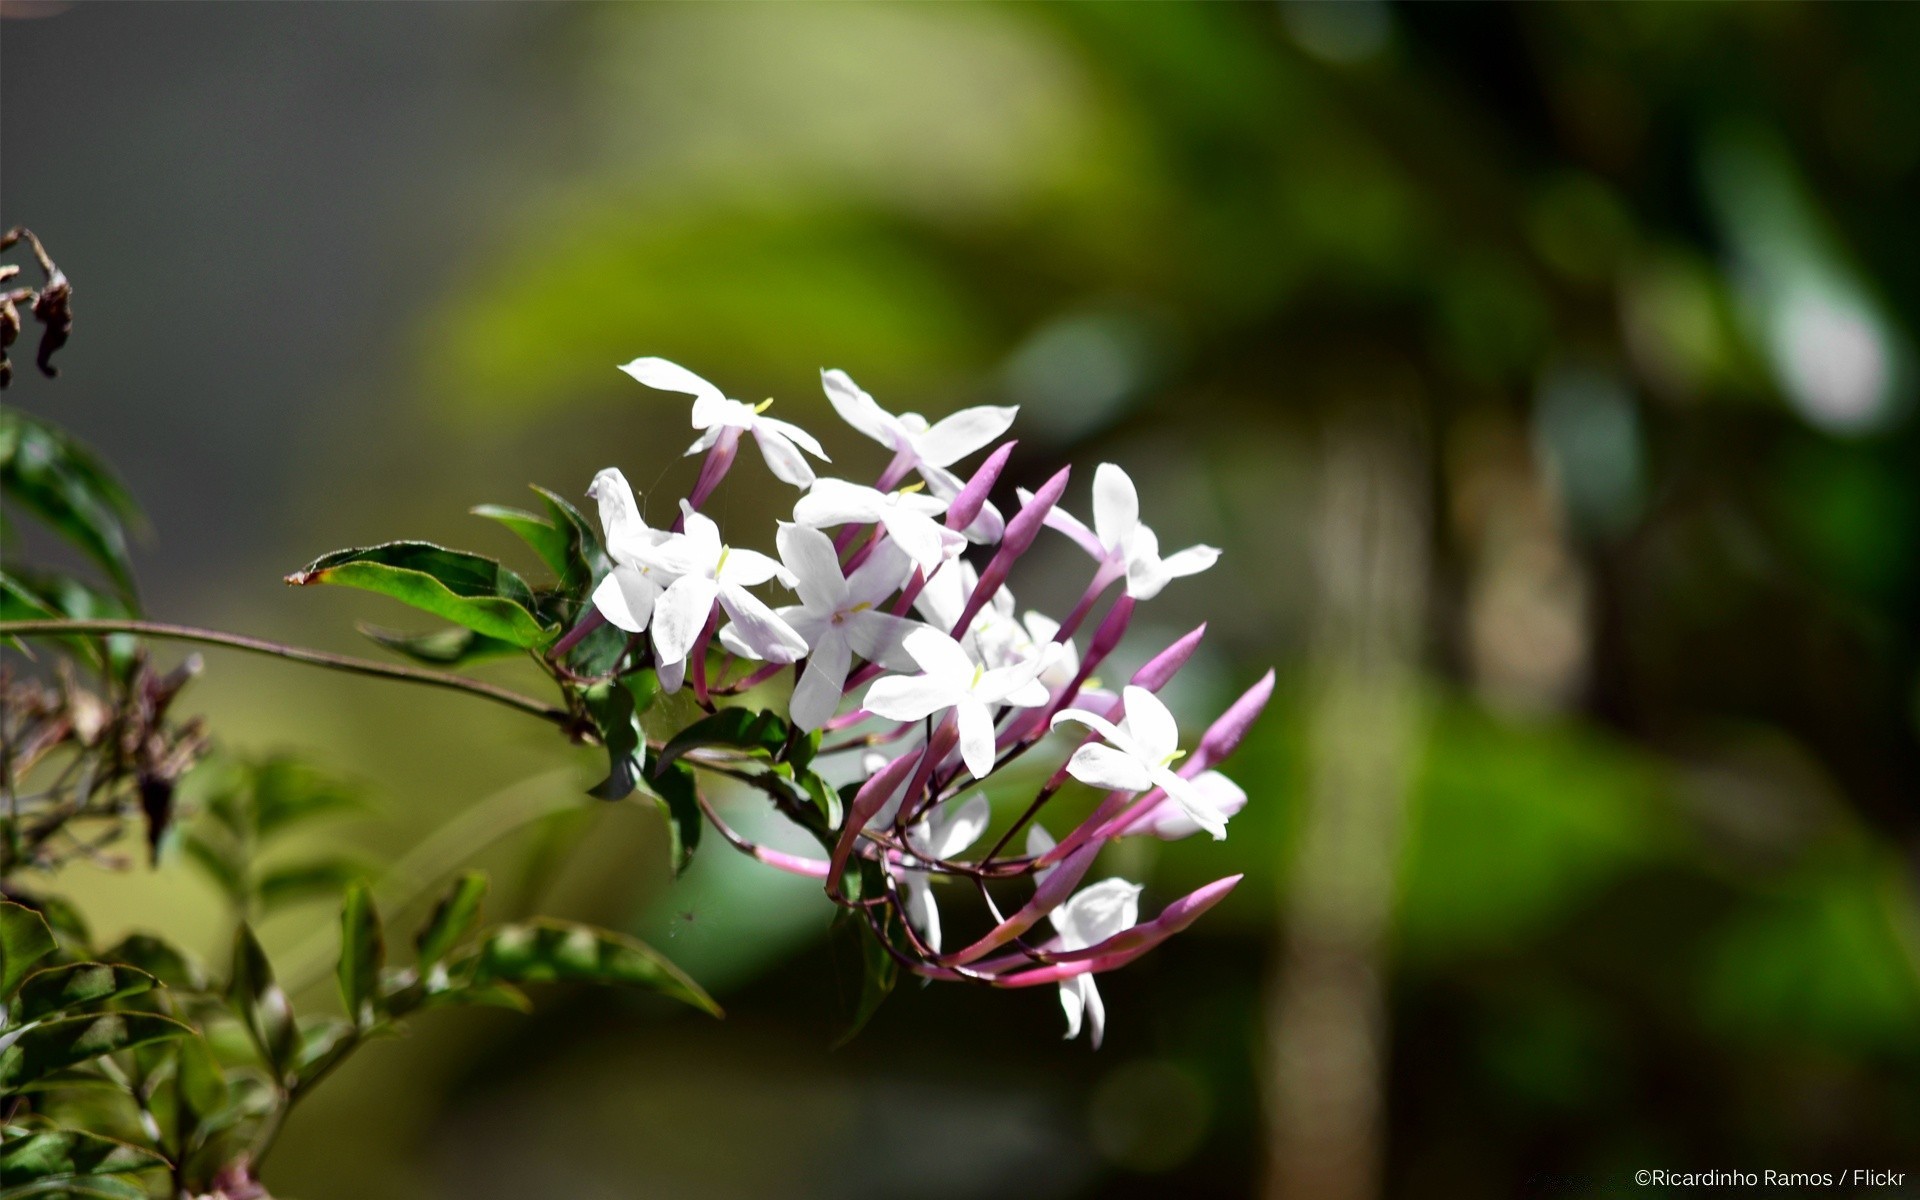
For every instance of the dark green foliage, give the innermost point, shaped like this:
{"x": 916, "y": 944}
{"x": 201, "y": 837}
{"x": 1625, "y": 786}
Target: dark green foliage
{"x": 468, "y": 589}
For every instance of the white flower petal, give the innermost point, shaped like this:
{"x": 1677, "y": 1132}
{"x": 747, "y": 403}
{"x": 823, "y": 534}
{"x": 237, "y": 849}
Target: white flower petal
{"x": 672, "y": 674}
{"x": 1098, "y": 912}
{"x": 908, "y": 697}
{"x": 860, "y": 410}
{"x": 920, "y": 536}
{"x": 809, "y": 555}
{"x": 837, "y": 502}
{"x": 1072, "y": 1001}
{"x": 793, "y": 433}
{"x": 770, "y": 638}
{"x": 882, "y": 574}
{"x": 1198, "y": 807}
{"x": 1108, "y": 769}
{"x": 976, "y": 736}
{"x": 672, "y": 377}
{"x": 959, "y": 435}
{"x": 1191, "y": 561}
{"x": 750, "y": 568}
{"x": 680, "y": 614}
{"x": 626, "y": 598}
{"x": 881, "y": 638}
{"x": 961, "y": 828}
{"x": 1170, "y": 822}
{"x": 940, "y": 656}
{"x": 783, "y": 457}
{"x": 1116, "y": 506}
{"x": 816, "y": 697}
{"x": 1155, "y": 733}
{"x": 921, "y": 908}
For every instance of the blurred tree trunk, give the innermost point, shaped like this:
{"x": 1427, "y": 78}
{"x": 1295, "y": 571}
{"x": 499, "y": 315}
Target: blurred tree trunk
{"x": 1325, "y": 1006}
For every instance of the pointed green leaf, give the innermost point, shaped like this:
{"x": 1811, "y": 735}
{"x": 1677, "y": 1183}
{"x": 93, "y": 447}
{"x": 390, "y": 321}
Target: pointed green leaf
{"x": 47, "y": 473}
{"x": 586, "y": 559}
{"x": 295, "y": 882}
{"x": 362, "y": 953}
{"x": 547, "y": 951}
{"x": 611, "y": 706}
{"x": 51, "y": 1154}
{"x": 199, "y": 1083}
{"x": 547, "y": 540}
{"x": 450, "y": 647}
{"x": 24, "y": 939}
{"x": 289, "y": 792}
{"x": 219, "y": 863}
{"x": 160, "y": 960}
{"x": 674, "y": 791}
{"x": 262, "y": 1004}
{"x": 75, "y": 986}
{"x": 736, "y": 728}
{"x": 468, "y": 589}
{"x": 65, "y": 1041}
{"x": 452, "y": 919}
{"x": 878, "y": 974}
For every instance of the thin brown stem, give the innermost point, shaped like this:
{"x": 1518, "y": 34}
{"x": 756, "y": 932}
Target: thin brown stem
{"x": 318, "y": 658}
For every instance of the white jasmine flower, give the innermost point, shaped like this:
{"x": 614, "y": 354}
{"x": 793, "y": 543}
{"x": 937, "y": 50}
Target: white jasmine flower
{"x": 709, "y": 571}
{"x": 1119, "y": 537}
{"x": 1140, "y": 754}
{"x": 1170, "y": 822}
{"x": 953, "y": 680}
{"x": 1091, "y": 916}
{"x": 839, "y": 617}
{"x": 908, "y": 517}
{"x": 626, "y": 596}
{"x": 931, "y": 449}
{"x": 943, "y": 835}
{"x": 780, "y": 441}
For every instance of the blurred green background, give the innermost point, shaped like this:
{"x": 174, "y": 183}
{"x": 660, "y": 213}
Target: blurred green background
{"x": 1545, "y": 372}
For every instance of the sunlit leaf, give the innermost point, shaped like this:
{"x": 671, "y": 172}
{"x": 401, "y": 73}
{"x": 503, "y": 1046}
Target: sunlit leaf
{"x": 612, "y": 707}
{"x": 309, "y": 880}
{"x": 547, "y": 540}
{"x": 24, "y": 940}
{"x": 74, "y": 986}
{"x": 157, "y": 958}
{"x": 262, "y": 1004}
{"x": 68, "y": 1040}
{"x": 362, "y": 953}
{"x": 468, "y": 589}
{"x": 45, "y": 1155}
{"x": 451, "y": 920}
{"x": 52, "y": 476}
{"x": 450, "y": 647}
{"x": 674, "y": 793}
{"x": 549, "y": 951}
{"x": 735, "y": 728}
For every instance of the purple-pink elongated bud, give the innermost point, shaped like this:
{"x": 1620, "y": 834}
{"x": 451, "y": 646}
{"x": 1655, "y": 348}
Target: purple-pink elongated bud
{"x": 870, "y": 799}
{"x": 1051, "y": 894}
{"x": 1025, "y": 524}
{"x": 713, "y": 469}
{"x": 1021, "y": 530}
{"x": 973, "y": 497}
{"x": 1224, "y": 735}
{"x": 1107, "y": 635}
{"x": 1123, "y": 947}
{"x": 1162, "y": 667}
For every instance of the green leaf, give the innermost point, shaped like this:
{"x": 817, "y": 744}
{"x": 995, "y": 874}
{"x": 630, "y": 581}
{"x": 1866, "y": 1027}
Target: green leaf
{"x": 548, "y": 951}
{"x": 452, "y": 919}
{"x": 323, "y": 1044}
{"x": 18, "y": 602}
{"x": 295, "y": 882}
{"x": 483, "y": 995}
{"x": 160, "y": 960}
{"x": 220, "y": 863}
{"x": 740, "y": 728}
{"x": 586, "y": 559}
{"x": 547, "y": 540}
{"x": 611, "y": 706}
{"x": 51, "y": 1154}
{"x": 878, "y": 974}
{"x": 24, "y": 939}
{"x": 199, "y": 1083}
{"x": 288, "y": 792}
{"x": 675, "y": 793}
{"x": 468, "y": 589}
{"x": 57, "y": 989}
{"x": 68, "y": 1040}
{"x": 450, "y": 647}
{"x": 60, "y": 481}
{"x": 262, "y": 1004}
{"x": 94, "y": 1187}
{"x": 363, "y": 952}
{"x": 826, "y": 801}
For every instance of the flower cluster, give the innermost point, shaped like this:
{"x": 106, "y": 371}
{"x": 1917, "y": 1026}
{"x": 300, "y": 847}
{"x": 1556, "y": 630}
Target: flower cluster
{"x": 917, "y": 683}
